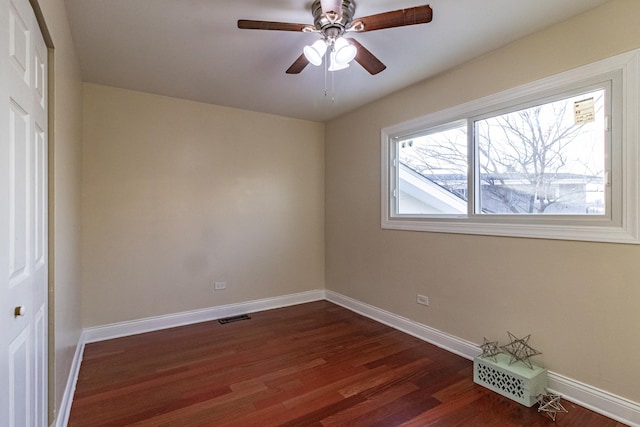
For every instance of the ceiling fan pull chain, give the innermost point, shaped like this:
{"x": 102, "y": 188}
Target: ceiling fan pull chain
{"x": 333, "y": 88}
{"x": 325, "y": 77}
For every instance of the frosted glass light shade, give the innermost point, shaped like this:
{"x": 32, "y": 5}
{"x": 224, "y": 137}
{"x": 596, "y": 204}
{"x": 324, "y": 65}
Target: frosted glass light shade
{"x": 344, "y": 51}
{"x": 334, "y": 65}
{"x": 315, "y": 52}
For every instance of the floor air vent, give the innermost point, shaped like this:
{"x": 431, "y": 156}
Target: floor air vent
{"x": 234, "y": 319}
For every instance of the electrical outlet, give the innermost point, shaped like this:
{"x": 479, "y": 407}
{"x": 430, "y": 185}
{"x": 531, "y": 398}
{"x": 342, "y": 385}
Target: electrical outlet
{"x": 422, "y": 299}
{"x": 218, "y": 286}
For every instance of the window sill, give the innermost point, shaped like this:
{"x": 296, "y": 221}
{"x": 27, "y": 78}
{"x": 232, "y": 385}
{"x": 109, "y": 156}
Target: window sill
{"x": 536, "y": 231}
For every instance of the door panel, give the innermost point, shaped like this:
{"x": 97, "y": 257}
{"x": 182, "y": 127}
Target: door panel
{"x": 18, "y": 193}
{"x": 40, "y": 372}
{"x": 19, "y": 44}
{"x": 20, "y": 383}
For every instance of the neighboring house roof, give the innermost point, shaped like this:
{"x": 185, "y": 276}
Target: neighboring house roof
{"x": 429, "y": 192}
{"x": 431, "y": 195}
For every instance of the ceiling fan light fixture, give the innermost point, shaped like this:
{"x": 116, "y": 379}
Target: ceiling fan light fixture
{"x": 315, "y": 52}
{"x": 335, "y": 65}
{"x": 344, "y": 51}
{"x": 332, "y": 19}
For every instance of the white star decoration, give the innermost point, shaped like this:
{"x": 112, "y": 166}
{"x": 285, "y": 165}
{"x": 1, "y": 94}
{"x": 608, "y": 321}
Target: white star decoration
{"x": 520, "y": 350}
{"x": 550, "y": 405}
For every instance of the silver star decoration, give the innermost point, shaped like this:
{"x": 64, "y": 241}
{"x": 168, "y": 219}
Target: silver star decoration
{"x": 520, "y": 350}
{"x": 549, "y": 403}
{"x": 490, "y": 349}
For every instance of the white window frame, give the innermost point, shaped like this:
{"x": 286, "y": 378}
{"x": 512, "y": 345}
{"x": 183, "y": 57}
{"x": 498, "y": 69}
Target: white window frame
{"x": 620, "y": 225}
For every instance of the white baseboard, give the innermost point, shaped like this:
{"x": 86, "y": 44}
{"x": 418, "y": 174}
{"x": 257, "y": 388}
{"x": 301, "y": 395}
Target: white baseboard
{"x": 117, "y": 330}
{"x": 62, "y": 418}
{"x": 600, "y": 401}
{"x": 441, "y": 339}
{"x": 133, "y": 327}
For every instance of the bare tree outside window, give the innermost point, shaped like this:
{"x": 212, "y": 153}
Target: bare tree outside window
{"x": 540, "y": 160}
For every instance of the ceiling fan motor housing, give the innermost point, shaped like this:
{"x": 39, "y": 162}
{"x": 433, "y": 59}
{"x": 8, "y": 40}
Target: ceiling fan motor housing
{"x": 333, "y": 28}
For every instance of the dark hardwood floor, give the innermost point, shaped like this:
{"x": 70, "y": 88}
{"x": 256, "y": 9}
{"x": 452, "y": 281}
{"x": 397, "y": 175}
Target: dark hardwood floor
{"x": 314, "y": 364}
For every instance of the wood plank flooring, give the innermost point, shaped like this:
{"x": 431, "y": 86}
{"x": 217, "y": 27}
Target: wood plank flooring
{"x": 313, "y": 364}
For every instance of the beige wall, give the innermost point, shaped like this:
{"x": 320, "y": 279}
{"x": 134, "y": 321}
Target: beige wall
{"x": 579, "y": 300}
{"x": 178, "y": 194}
{"x": 65, "y": 174}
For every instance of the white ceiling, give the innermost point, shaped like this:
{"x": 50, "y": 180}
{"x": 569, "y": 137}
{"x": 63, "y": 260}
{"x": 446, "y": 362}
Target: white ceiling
{"x": 192, "y": 49}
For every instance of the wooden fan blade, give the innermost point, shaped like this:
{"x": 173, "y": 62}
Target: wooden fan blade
{"x": 367, "y": 59}
{"x": 396, "y": 18}
{"x": 298, "y": 65}
{"x": 247, "y": 24}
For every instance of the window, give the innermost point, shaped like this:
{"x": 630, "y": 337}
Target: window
{"x": 554, "y": 159}
{"x": 432, "y": 171}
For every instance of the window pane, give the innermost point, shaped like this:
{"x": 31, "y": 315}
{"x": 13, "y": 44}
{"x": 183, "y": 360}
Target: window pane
{"x": 548, "y": 159}
{"x": 432, "y": 172}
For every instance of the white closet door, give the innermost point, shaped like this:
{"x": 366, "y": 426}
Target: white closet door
{"x": 23, "y": 217}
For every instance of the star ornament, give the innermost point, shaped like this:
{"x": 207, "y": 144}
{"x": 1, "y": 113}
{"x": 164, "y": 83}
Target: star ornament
{"x": 490, "y": 349}
{"x": 520, "y": 350}
{"x": 549, "y": 403}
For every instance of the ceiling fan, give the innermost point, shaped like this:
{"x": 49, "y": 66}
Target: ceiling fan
{"x": 331, "y": 20}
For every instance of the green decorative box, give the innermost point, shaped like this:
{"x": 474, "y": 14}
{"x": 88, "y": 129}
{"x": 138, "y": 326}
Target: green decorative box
{"x": 517, "y": 382}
